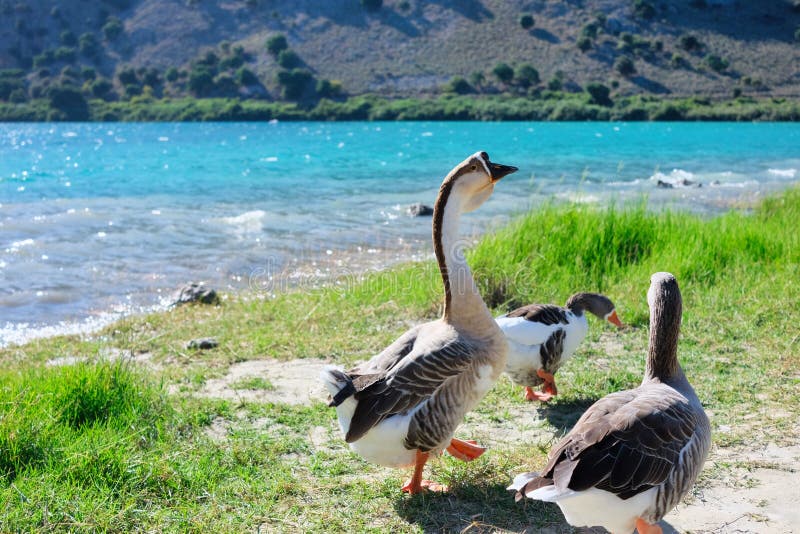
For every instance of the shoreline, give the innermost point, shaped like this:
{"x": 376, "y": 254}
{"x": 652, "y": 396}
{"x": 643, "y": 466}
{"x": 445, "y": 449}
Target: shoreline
{"x": 343, "y": 268}
{"x": 550, "y": 106}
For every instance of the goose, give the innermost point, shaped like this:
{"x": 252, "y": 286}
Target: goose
{"x": 543, "y": 336}
{"x": 634, "y": 454}
{"x": 404, "y": 404}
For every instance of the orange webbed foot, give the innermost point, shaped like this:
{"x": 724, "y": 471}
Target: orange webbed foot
{"x": 466, "y": 450}
{"x": 424, "y": 486}
{"x": 541, "y": 396}
{"x": 643, "y": 527}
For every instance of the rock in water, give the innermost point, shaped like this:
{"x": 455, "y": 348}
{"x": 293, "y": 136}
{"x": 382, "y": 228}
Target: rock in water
{"x": 420, "y": 210}
{"x": 194, "y": 292}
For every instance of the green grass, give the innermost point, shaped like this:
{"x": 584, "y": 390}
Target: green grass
{"x": 124, "y": 446}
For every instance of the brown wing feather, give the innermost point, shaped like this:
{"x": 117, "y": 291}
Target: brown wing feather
{"x": 625, "y": 443}
{"x": 413, "y": 379}
{"x": 548, "y": 314}
{"x": 551, "y": 350}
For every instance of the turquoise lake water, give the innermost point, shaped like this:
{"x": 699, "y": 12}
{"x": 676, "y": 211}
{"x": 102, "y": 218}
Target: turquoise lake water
{"x": 98, "y": 220}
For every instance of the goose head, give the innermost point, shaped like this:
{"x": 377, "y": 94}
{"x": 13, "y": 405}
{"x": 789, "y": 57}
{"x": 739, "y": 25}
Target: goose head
{"x": 472, "y": 181}
{"x": 596, "y": 304}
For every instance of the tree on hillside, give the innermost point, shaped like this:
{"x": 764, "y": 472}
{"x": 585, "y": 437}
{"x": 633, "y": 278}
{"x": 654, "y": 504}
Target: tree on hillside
{"x": 276, "y": 44}
{"x": 294, "y": 83}
{"x": 526, "y": 21}
{"x": 88, "y": 44}
{"x": 458, "y": 85}
{"x": 503, "y": 72}
{"x": 598, "y": 94}
{"x": 643, "y": 9}
{"x": 526, "y": 75}
{"x": 624, "y": 65}
{"x": 201, "y": 80}
{"x": 69, "y": 101}
{"x": 113, "y": 28}
{"x": 288, "y": 59}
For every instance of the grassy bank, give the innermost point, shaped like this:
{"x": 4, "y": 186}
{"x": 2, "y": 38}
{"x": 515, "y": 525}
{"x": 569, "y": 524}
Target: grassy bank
{"x": 548, "y": 106}
{"x": 132, "y": 444}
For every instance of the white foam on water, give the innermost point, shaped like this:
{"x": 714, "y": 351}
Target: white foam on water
{"x": 249, "y": 222}
{"x": 676, "y": 178}
{"x": 783, "y": 173}
{"x": 16, "y": 245}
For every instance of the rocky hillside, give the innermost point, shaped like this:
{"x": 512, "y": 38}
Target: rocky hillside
{"x": 122, "y": 48}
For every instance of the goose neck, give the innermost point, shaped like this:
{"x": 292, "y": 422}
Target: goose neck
{"x": 463, "y": 305}
{"x": 662, "y": 353}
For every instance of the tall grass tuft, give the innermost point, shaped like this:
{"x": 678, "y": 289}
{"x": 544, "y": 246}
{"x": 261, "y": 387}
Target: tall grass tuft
{"x": 55, "y": 416}
{"x": 555, "y": 250}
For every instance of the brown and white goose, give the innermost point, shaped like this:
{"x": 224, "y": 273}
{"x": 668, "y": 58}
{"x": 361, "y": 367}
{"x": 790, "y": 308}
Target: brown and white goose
{"x": 634, "y": 454}
{"x": 405, "y": 403}
{"x": 543, "y": 336}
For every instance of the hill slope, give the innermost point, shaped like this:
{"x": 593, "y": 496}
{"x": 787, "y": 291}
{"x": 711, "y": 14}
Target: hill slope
{"x": 404, "y": 47}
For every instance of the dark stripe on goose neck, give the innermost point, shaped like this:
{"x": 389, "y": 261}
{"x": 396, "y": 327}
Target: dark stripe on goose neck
{"x": 438, "y": 226}
{"x": 438, "y": 247}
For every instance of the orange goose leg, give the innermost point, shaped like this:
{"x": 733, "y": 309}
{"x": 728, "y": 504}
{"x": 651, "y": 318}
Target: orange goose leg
{"x": 643, "y": 527}
{"x": 465, "y": 450}
{"x": 548, "y": 389}
{"x": 416, "y": 484}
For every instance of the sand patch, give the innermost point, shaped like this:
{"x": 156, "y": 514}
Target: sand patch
{"x": 288, "y": 382}
{"x": 760, "y": 494}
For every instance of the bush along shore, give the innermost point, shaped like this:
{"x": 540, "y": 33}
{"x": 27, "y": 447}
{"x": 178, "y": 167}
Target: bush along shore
{"x": 133, "y": 430}
{"x": 548, "y": 106}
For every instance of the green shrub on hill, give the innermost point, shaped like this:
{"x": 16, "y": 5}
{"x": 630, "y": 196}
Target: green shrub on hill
{"x": 288, "y": 59}
{"x": 598, "y": 94}
{"x": 689, "y": 42}
{"x": 458, "y": 85}
{"x": 625, "y": 66}
{"x": 526, "y": 21}
{"x": 644, "y": 9}
{"x": 716, "y": 63}
{"x": 245, "y": 76}
{"x": 503, "y": 72}
{"x": 583, "y": 43}
{"x": 276, "y": 44}
{"x": 113, "y": 28}
{"x": 88, "y": 45}
{"x": 68, "y": 102}
{"x": 526, "y": 75}
{"x": 67, "y": 38}
{"x": 294, "y": 83}
{"x": 201, "y": 80}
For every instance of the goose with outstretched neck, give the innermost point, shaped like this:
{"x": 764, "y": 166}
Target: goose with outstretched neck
{"x": 404, "y": 404}
{"x": 634, "y": 454}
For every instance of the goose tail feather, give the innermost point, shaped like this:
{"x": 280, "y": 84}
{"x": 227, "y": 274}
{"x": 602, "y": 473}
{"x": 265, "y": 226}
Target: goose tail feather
{"x": 341, "y": 388}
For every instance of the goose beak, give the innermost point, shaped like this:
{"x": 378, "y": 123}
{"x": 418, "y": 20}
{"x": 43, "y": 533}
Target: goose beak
{"x": 613, "y": 319}
{"x": 498, "y": 170}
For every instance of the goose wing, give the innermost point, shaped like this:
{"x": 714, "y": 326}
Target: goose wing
{"x": 625, "y": 443}
{"x": 410, "y": 376}
{"x": 533, "y": 324}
